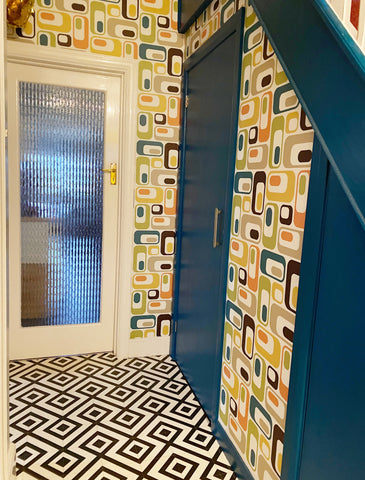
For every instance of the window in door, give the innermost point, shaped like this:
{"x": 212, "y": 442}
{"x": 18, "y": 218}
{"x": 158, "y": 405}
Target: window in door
{"x": 61, "y": 203}
{"x": 64, "y": 127}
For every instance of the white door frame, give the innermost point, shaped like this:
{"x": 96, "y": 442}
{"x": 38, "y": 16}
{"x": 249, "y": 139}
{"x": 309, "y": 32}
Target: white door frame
{"x": 43, "y": 340}
{"x": 5, "y": 460}
{"x": 84, "y": 62}
{"x": 29, "y": 54}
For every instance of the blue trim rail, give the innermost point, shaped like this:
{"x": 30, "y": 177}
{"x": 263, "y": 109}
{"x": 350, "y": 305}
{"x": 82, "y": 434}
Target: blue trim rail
{"x": 341, "y": 31}
{"x": 328, "y": 84}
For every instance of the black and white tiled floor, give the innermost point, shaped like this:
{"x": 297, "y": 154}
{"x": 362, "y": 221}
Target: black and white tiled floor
{"x": 93, "y": 417}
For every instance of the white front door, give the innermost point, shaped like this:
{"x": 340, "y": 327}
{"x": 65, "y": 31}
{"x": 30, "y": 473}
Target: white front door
{"x": 63, "y": 127}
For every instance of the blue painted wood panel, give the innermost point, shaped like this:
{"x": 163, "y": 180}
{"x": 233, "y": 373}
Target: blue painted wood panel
{"x": 335, "y": 422}
{"x": 189, "y": 11}
{"x": 325, "y": 422}
{"x": 306, "y": 312}
{"x": 211, "y": 83}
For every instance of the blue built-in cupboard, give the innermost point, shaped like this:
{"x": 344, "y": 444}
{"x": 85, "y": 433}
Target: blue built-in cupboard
{"x": 325, "y": 421}
{"x": 325, "y": 418}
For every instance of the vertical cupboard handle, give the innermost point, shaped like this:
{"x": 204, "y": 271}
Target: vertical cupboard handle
{"x": 217, "y": 214}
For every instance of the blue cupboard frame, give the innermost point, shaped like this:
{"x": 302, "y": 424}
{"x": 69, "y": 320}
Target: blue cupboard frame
{"x": 220, "y": 113}
{"x": 329, "y": 81}
{"x": 189, "y": 11}
{"x": 232, "y": 27}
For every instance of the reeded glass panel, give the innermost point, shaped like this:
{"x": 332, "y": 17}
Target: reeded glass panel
{"x": 61, "y": 155}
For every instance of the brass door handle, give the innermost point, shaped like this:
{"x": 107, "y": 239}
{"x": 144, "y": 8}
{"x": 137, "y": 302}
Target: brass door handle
{"x": 113, "y": 173}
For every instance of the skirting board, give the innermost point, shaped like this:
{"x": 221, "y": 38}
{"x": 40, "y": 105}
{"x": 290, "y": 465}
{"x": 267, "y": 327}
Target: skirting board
{"x": 146, "y": 347}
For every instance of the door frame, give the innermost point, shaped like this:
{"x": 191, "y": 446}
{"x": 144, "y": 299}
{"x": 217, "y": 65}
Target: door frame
{"x": 127, "y": 73}
{"x": 234, "y": 26}
{"x": 7, "y": 456}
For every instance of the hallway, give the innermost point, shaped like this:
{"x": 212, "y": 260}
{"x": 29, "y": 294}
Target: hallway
{"x": 94, "y": 417}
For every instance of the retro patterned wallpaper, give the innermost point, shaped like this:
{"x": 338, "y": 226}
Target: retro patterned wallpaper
{"x": 269, "y": 199}
{"x": 273, "y": 159}
{"x": 216, "y": 14}
{"x": 143, "y": 31}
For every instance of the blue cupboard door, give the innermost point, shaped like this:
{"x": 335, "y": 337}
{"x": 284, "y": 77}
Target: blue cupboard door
{"x": 211, "y": 84}
{"x": 333, "y": 447}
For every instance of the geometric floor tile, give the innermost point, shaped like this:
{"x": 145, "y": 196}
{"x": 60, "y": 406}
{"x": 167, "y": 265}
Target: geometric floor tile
{"x": 28, "y": 454}
{"x": 179, "y": 467}
{"x": 62, "y": 462}
{"x": 218, "y": 472}
{"x": 63, "y": 428}
{"x": 94, "y": 417}
{"x": 98, "y": 443}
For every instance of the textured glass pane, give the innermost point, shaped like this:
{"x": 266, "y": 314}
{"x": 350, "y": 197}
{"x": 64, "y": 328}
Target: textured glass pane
{"x": 61, "y": 155}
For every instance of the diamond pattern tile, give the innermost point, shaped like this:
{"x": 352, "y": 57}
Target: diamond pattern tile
{"x": 94, "y": 417}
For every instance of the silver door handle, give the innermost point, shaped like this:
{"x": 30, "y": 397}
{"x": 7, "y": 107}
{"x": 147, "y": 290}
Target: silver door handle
{"x": 217, "y": 214}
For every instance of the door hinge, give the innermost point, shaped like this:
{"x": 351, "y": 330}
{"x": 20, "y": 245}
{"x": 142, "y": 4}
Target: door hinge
{"x": 186, "y": 101}
{"x": 175, "y": 327}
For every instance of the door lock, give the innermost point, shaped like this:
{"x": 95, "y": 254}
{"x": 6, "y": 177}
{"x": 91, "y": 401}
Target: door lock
{"x": 113, "y": 173}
